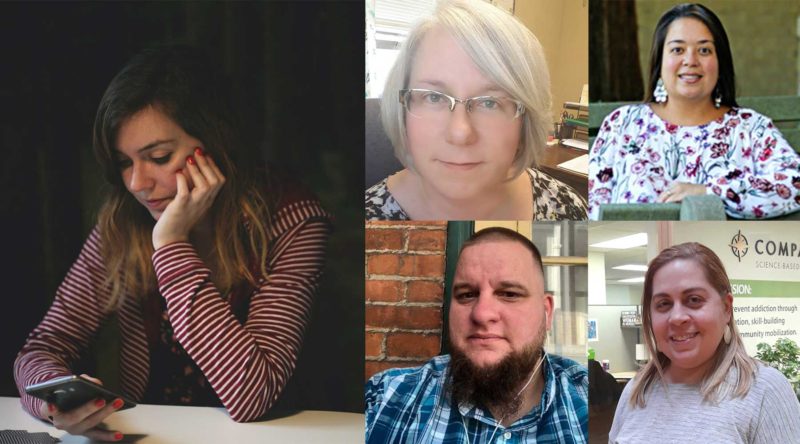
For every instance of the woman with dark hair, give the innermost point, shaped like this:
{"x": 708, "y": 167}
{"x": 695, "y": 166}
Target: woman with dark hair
{"x": 209, "y": 264}
{"x": 690, "y": 137}
{"x": 700, "y": 377}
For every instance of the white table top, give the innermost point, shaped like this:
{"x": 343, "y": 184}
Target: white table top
{"x": 150, "y": 424}
{"x": 623, "y": 375}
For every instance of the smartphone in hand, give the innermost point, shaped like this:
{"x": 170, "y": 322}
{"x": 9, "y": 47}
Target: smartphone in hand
{"x": 69, "y": 392}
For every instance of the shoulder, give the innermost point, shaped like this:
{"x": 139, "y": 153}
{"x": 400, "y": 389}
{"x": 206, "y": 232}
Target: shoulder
{"x": 569, "y": 370}
{"x": 555, "y": 200}
{"x": 290, "y": 203}
{"x": 772, "y": 381}
{"x": 747, "y": 119}
{"x": 409, "y": 377}
{"x": 379, "y": 204}
{"x": 404, "y": 386}
{"x": 624, "y": 113}
{"x": 402, "y": 400}
{"x": 92, "y": 252}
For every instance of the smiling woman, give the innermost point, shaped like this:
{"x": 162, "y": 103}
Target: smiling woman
{"x": 690, "y": 137}
{"x": 701, "y": 376}
{"x": 210, "y": 264}
{"x": 466, "y": 108}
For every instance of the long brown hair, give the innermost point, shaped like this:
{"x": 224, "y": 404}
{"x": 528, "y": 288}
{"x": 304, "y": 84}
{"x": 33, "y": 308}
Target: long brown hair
{"x": 726, "y": 83}
{"x": 728, "y": 358}
{"x": 183, "y": 85}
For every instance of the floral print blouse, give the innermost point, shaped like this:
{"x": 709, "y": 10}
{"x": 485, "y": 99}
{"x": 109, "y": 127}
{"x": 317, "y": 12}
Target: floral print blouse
{"x": 552, "y": 200}
{"x": 740, "y": 157}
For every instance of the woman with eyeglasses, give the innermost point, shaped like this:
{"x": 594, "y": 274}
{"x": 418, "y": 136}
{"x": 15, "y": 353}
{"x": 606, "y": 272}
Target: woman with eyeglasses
{"x": 209, "y": 264}
{"x": 467, "y": 108}
{"x": 700, "y": 385}
{"x": 690, "y": 137}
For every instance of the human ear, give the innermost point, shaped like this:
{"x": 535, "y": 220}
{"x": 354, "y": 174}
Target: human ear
{"x": 728, "y": 301}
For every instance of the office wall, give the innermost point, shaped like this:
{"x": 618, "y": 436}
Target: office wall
{"x": 562, "y": 27}
{"x": 763, "y": 37}
{"x": 623, "y": 294}
{"x": 616, "y": 344}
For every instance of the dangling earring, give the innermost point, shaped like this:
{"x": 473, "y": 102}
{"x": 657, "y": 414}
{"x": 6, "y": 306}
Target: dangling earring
{"x": 727, "y": 335}
{"x": 718, "y": 99}
{"x": 660, "y": 93}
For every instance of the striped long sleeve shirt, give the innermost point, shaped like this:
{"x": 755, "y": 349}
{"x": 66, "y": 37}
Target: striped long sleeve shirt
{"x": 413, "y": 406}
{"x": 247, "y": 365}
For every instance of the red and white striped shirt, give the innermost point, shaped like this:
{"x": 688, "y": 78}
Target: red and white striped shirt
{"x": 247, "y": 365}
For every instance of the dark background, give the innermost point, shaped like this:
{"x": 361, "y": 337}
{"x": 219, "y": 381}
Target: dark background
{"x": 297, "y": 70}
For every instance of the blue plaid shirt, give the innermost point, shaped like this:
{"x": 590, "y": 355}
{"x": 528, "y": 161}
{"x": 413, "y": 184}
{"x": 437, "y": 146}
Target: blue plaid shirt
{"x": 410, "y": 406}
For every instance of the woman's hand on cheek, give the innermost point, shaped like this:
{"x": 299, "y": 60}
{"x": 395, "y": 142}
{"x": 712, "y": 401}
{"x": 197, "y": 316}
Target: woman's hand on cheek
{"x": 189, "y": 205}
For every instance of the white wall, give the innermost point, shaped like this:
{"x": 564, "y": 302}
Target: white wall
{"x": 597, "y": 278}
{"x": 616, "y": 344}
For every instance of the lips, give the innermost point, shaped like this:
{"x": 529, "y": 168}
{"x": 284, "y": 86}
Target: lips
{"x": 157, "y": 204}
{"x": 690, "y": 77}
{"x": 484, "y": 337}
{"x": 683, "y": 338}
{"x": 460, "y": 166}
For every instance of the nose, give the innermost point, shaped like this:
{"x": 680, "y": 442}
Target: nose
{"x": 690, "y": 57}
{"x": 485, "y": 310}
{"x": 460, "y": 128}
{"x": 678, "y": 315}
{"x": 139, "y": 179}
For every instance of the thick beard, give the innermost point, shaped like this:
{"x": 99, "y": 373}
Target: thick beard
{"x": 494, "y": 386}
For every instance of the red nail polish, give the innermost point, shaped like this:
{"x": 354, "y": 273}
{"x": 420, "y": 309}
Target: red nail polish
{"x": 117, "y": 403}
{"x": 117, "y": 436}
{"x": 190, "y": 160}
{"x": 100, "y": 402}
{"x": 198, "y": 151}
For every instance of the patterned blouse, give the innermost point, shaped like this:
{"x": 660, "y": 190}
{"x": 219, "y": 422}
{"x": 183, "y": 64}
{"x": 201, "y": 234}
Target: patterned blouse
{"x": 740, "y": 157}
{"x": 552, "y": 200}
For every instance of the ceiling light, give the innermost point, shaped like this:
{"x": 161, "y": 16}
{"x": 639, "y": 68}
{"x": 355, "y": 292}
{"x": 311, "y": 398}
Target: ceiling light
{"x": 631, "y": 267}
{"x": 637, "y": 280}
{"x": 621, "y": 243}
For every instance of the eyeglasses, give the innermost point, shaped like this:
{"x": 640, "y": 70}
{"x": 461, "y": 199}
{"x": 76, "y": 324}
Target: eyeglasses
{"x": 429, "y": 104}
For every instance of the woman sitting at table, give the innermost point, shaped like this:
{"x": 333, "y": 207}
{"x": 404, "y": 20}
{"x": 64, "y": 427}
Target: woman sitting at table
{"x": 209, "y": 264}
{"x": 467, "y": 108}
{"x": 690, "y": 137}
{"x": 700, "y": 377}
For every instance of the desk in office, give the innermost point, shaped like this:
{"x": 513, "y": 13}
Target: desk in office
{"x": 623, "y": 376}
{"x": 151, "y": 424}
{"x": 553, "y": 155}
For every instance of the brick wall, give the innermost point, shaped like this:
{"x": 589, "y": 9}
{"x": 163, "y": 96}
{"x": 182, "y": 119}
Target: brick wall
{"x": 404, "y": 269}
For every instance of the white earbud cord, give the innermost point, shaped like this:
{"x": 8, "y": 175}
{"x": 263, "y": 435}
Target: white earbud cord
{"x": 535, "y": 369}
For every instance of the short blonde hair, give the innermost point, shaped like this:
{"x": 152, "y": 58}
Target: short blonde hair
{"x": 503, "y": 49}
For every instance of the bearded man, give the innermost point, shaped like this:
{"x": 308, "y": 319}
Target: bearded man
{"x": 498, "y": 384}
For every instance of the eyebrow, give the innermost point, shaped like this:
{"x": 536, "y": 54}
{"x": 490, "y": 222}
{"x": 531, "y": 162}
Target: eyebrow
{"x": 488, "y": 87}
{"x": 505, "y": 285}
{"x": 462, "y": 286}
{"x": 502, "y": 285}
{"x": 700, "y": 42}
{"x": 686, "y": 291}
{"x": 150, "y": 145}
